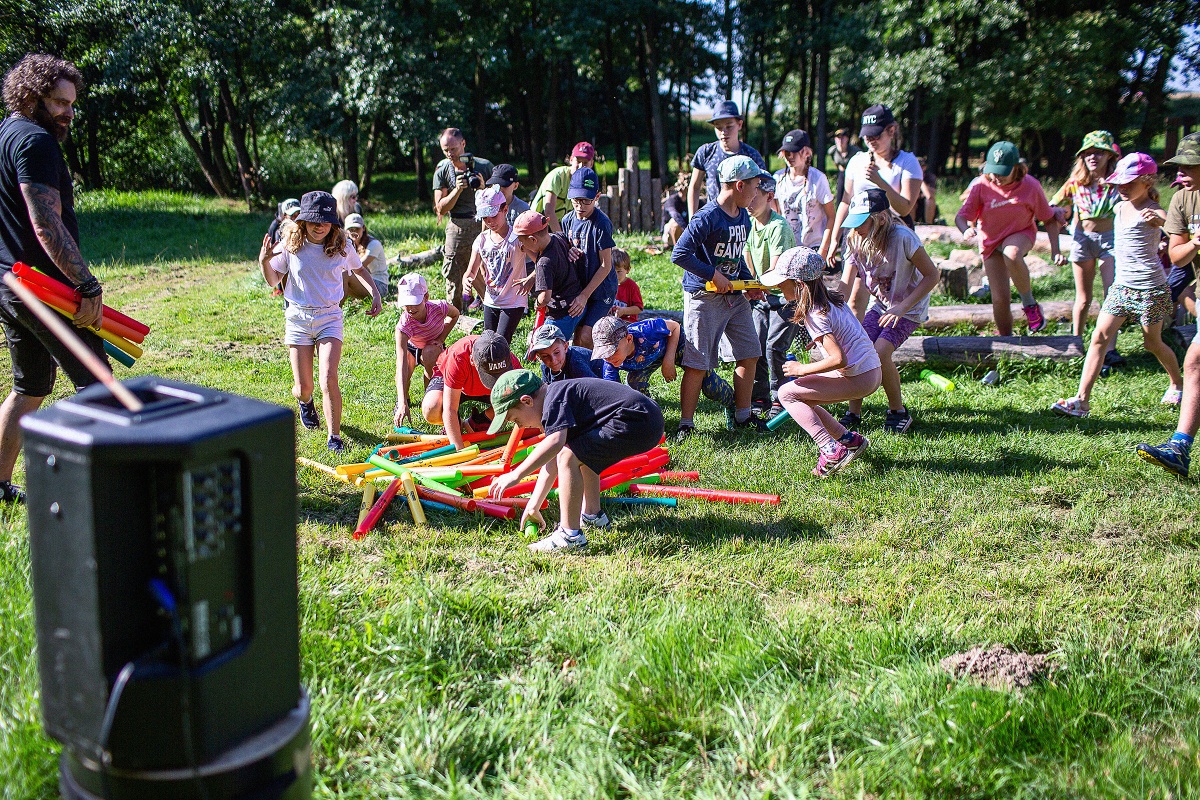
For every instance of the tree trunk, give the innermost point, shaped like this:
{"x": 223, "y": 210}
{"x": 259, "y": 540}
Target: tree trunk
{"x": 822, "y": 109}
{"x": 377, "y": 125}
{"x": 658, "y": 142}
{"x": 554, "y": 149}
{"x": 612, "y": 99}
{"x": 477, "y": 103}
{"x": 727, "y": 25}
{"x": 423, "y": 190}
{"x": 203, "y": 154}
{"x": 964, "y": 143}
{"x": 245, "y": 168}
{"x": 812, "y": 91}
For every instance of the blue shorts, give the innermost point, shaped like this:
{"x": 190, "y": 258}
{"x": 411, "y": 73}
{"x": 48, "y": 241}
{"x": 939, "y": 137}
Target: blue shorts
{"x": 599, "y": 306}
{"x": 1179, "y": 279}
{"x": 566, "y": 325}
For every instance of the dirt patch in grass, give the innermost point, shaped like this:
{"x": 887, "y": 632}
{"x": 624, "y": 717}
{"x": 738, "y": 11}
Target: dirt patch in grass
{"x": 998, "y": 667}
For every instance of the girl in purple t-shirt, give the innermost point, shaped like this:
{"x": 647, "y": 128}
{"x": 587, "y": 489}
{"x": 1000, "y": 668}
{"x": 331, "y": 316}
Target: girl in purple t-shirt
{"x": 848, "y": 370}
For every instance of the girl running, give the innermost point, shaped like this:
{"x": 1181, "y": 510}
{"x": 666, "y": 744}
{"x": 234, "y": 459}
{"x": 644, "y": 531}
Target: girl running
{"x": 848, "y": 370}
{"x": 892, "y": 264}
{"x": 1091, "y": 204}
{"x": 312, "y": 255}
{"x": 1140, "y": 290}
{"x": 1006, "y": 202}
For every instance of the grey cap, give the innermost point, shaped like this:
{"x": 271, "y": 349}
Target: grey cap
{"x": 491, "y": 356}
{"x": 607, "y": 334}
{"x": 795, "y": 264}
{"x": 542, "y": 338}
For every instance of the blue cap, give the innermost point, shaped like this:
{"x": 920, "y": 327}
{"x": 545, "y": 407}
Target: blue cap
{"x": 584, "y": 184}
{"x": 767, "y": 183}
{"x": 725, "y": 109}
{"x": 740, "y": 168}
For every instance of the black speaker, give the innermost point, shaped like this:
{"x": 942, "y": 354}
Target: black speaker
{"x": 163, "y": 550}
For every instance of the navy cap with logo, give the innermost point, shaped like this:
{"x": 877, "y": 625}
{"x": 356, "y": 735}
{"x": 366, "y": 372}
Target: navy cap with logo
{"x": 795, "y": 141}
{"x": 725, "y": 109}
{"x": 491, "y": 356}
{"x": 503, "y": 175}
{"x": 875, "y": 119}
{"x": 864, "y": 204}
{"x": 585, "y": 184}
{"x": 318, "y": 207}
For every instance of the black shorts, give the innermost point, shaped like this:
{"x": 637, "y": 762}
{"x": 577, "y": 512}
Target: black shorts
{"x": 1179, "y": 279}
{"x": 628, "y": 435}
{"x": 36, "y": 352}
{"x": 438, "y": 384}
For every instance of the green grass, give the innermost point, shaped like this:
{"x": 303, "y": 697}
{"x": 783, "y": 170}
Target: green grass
{"x": 710, "y": 651}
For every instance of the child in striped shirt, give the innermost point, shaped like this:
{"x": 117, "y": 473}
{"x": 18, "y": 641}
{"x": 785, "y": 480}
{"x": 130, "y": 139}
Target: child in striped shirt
{"x": 420, "y": 336}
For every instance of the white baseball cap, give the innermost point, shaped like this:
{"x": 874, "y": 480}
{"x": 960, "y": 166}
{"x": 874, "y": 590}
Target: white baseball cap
{"x": 355, "y": 221}
{"x": 411, "y": 290}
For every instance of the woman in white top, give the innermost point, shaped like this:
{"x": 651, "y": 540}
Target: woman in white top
{"x": 313, "y": 254}
{"x": 802, "y": 194}
{"x": 370, "y": 253}
{"x": 884, "y": 165}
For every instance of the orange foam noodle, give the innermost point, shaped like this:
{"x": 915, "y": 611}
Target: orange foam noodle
{"x": 30, "y": 275}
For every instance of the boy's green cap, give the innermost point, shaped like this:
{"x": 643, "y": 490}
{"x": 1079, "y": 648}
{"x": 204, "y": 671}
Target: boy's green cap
{"x": 1001, "y": 159}
{"x": 508, "y": 391}
{"x": 1188, "y": 152}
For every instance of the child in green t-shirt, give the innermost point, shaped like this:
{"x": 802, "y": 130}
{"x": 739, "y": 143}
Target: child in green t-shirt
{"x": 770, "y": 235}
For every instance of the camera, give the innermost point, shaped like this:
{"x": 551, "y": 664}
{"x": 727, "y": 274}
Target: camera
{"x": 472, "y": 177}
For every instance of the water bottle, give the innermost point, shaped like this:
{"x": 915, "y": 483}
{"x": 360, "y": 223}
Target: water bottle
{"x": 941, "y": 382}
{"x": 991, "y": 379}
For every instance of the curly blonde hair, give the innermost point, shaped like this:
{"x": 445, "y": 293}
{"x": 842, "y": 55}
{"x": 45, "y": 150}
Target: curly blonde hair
{"x": 34, "y": 77}
{"x": 292, "y": 237}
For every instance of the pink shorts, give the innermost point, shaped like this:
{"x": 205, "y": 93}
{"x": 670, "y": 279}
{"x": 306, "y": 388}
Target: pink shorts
{"x": 897, "y": 335}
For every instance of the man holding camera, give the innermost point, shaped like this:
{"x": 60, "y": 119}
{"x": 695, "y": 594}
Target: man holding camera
{"x": 455, "y": 181}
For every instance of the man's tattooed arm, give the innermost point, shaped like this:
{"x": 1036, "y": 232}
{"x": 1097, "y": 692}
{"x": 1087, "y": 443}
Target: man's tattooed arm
{"x": 45, "y": 211}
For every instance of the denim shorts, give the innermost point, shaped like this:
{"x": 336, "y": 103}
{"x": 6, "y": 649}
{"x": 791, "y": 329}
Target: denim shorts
{"x": 1087, "y": 246}
{"x": 306, "y": 325}
{"x": 599, "y": 306}
{"x": 565, "y": 325}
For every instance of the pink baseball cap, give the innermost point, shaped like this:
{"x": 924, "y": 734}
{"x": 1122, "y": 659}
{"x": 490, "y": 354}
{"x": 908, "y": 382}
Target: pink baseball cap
{"x": 411, "y": 290}
{"x": 530, "y": 222}
{"x": 1132, "y": 167}
{"x": 584, "y": 150}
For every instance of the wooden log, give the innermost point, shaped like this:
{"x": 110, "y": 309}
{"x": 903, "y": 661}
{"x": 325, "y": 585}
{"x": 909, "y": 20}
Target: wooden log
{"x": 973, "y": 350}
{"x": 614, "y": 206}
{"x": 656, "y": 201}
{"x": 417, "y": 260}
{"x": 631, "y": 159}
{"x": 658, "y": 313}
{"x": 625, "y": 190}
{"x": 980, "y": 315}
{"x": 645, "y": 202}
{"x": 603, "y": 203}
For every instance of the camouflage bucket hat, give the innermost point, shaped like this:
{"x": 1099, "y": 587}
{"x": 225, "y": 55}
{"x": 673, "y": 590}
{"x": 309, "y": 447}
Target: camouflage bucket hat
{"x": 1188, "y": 152}
{"x": 1101, "y": 140}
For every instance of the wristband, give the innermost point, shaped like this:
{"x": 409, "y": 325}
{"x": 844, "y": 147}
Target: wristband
{"x": 90, "y": 288}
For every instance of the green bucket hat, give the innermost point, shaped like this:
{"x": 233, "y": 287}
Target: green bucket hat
{"x": 1188, "y": 152}
{"x": 508, "y": 391}
{"x": 1101, "y": 140}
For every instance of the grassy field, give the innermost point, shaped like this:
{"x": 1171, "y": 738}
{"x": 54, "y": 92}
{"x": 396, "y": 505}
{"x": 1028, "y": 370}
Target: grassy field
{"x": 709, "y": 651}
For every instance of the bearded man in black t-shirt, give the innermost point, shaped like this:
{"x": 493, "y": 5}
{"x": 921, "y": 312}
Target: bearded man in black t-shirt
{"x": 38, "y": 227}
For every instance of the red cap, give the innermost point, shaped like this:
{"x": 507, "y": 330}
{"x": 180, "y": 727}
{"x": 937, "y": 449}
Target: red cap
{"x": 530, "y": 222}
{"x": 584, "y": 150}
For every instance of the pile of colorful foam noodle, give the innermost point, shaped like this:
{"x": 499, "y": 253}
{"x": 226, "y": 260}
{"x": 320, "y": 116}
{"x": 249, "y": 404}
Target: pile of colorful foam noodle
{"x": 434, "y": 475}
{"x": 122, "y": 335}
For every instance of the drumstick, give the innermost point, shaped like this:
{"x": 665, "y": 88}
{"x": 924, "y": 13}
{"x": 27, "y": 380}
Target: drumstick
{"x": 73, "y": 343}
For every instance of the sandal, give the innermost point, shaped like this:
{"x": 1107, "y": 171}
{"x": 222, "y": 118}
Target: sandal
{"x": 1070, "y": 408}
{"x": 1172, "y": 397}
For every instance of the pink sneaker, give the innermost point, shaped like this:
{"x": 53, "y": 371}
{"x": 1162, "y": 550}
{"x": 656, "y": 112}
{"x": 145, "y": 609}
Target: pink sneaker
{"x": 828, "y": 465}
{"x": 1033, "y": 314}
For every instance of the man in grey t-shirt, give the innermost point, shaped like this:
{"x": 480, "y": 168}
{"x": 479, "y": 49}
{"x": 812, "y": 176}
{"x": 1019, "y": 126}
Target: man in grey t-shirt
{"x": 455, "y": 181}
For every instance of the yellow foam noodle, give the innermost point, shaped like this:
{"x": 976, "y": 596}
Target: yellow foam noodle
{"x": 122, "y": 344}
{"x": 319, "y": 467}
{"x": 352, "y": 469}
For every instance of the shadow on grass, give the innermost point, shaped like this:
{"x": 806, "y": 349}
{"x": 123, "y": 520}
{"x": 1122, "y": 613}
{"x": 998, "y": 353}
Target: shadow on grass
{"x": 962, "y": 420}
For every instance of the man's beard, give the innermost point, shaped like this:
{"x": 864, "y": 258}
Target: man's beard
{"x": 56, "y": 126}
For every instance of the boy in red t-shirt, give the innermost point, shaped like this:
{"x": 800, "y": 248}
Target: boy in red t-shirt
{"x": 466, "y": 370}
{"x": 629, "y": 296}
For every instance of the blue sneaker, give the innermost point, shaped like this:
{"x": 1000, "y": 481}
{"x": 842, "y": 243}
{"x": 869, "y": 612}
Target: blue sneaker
{"x": 1169, "y": 456}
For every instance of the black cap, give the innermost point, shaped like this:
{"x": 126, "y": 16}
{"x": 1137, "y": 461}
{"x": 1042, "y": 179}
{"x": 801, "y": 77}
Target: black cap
{"x": 318, "y": 207}
{"x": 875, "y": 119}
{"x": 795, "y": 141}
{"x": 503, "y": 175}
{"x": 491, "y": 356}
{"x": 725, "y": 109}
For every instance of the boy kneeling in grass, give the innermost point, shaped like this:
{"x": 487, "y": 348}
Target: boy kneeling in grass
{"x": 590, "y": 424}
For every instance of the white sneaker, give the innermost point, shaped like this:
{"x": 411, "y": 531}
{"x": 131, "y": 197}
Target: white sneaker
{"x": 598, "y": 521}
{"x": 559, "y": 540}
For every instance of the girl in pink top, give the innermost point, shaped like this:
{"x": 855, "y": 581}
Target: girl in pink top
{"x": 420, "y": 336}
{"x": 1007, "y": 203}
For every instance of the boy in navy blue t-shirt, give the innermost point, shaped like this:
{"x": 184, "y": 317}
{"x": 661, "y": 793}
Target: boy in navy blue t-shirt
{"x": 639, "y": 348}
{"x": 591, "y": 231}
{"x": 727, "y": 124}
{"x": 710, "y": 249}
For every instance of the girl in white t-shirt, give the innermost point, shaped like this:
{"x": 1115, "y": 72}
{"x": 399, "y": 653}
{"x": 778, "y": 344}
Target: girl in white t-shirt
{"x": 889, "y": 260}
{"x": 802, "y": 194}
{"x": 883, "y": 165}
{"x": 497, "y": 252}
{"x": 848, "y": 370}
{"x": 313, "y": 254}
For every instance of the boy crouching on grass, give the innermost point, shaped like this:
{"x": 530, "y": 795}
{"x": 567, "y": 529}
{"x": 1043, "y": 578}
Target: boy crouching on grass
{"x": 590, "y": 424}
